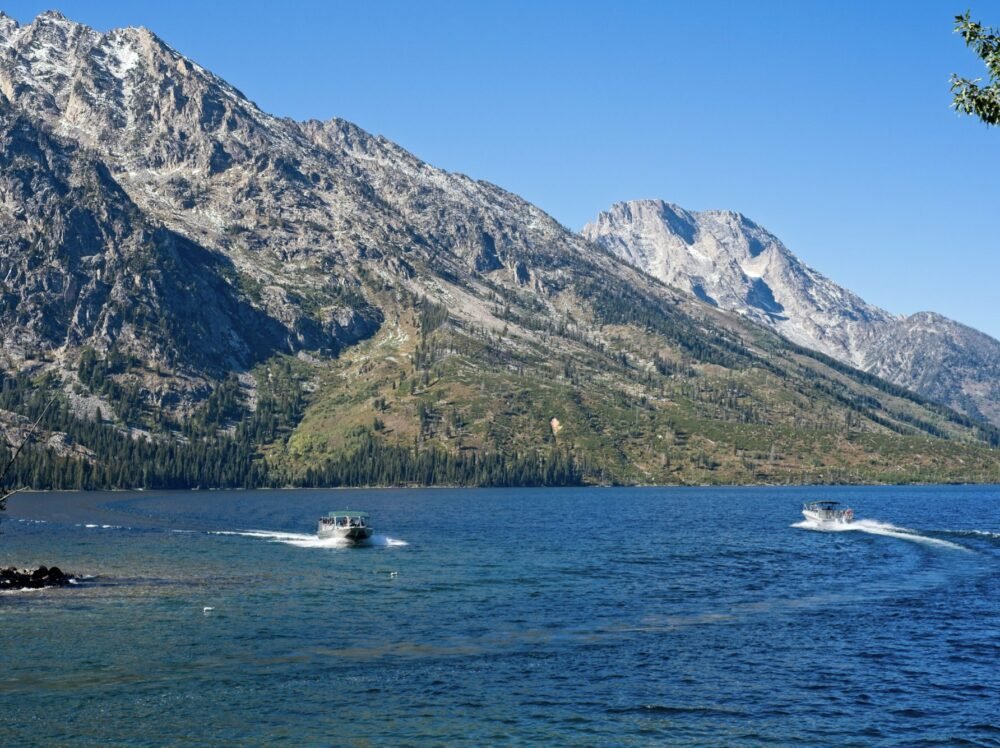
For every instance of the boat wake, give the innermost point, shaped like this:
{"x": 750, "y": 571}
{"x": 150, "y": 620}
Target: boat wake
{"x": 994, "y": 536}
{"x": 305, "y": 540}
{"x": 872, "y": 527}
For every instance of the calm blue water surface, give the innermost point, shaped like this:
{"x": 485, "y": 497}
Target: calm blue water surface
{"x": 486, "y": 617}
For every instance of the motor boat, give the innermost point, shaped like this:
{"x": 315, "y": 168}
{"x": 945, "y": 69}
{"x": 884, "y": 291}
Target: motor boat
{"x": 827, "y": 511}
{"x": 347, "y": 524}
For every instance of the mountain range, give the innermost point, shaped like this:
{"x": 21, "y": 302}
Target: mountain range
{"x": 217, "y": 296}
{"x": 729, "y": 261}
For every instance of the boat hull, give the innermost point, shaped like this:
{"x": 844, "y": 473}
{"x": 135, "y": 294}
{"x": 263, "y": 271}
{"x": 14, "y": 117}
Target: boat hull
{"x": 822, "y": 517}
{"x": 351, "y": 534}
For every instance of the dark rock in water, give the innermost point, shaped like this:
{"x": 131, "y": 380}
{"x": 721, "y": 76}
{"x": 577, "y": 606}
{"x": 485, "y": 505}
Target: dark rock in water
{"x": 12, "y": 578}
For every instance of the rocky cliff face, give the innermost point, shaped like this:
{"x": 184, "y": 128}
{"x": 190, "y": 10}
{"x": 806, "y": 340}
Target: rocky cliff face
{"x": 729, "y": 261}
{"x": 942, "y": 359}
{"x": 81, "y": 265}
{"x": 185, "y": 225}
{"x": 297, "y": 208}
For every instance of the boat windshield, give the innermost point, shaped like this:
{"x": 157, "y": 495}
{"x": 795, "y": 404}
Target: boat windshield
{"x": 346, "y": 518}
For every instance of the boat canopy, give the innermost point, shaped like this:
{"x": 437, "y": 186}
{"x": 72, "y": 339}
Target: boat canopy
{"x": 347, "y": 513}
{"x": 823, "y": 504}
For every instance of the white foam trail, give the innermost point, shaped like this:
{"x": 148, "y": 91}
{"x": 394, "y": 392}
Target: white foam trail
{"x": 977, "y": 533}
{"x": 300, "y": 540}
{"x": 873, "y": 527}
{"x": 303, "y": 540}
{"x": 386, "y": 541}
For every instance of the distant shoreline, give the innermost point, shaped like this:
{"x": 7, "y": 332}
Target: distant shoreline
{"x": 506, "y": 488}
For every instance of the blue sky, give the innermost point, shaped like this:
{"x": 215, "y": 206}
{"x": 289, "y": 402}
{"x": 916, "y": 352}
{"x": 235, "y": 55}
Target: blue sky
{"x": 826, "y": 123}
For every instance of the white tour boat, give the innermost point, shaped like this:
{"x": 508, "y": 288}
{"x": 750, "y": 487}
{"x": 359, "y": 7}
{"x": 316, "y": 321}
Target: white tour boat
{"x": 827, "y": 511}
{"x": 346, "y": 523}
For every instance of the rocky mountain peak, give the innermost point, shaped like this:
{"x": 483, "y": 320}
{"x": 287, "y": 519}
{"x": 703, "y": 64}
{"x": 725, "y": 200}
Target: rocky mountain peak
{"x": 729, "y": 261}
{"x": 54, "y": 16}
{"x": 8, "y": 25}
{"x": 47, "y": 38}
{"x": 299, "y": 212}
{"x": 127, "y": 92}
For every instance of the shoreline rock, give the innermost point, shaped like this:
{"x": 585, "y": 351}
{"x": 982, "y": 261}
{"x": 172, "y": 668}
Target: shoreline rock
{"x": 12, "y": 578}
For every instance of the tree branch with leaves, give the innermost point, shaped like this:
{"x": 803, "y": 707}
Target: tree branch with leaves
{"x": 13, "y": 458}
{"x": 970, "y": 97}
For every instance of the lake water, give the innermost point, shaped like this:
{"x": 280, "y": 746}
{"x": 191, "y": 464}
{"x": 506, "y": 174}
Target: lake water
{"x": 485, "y": 617}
